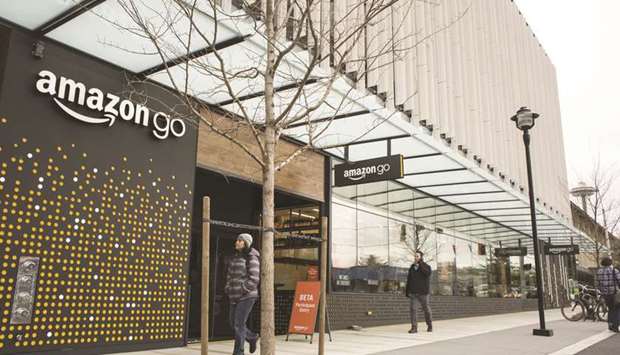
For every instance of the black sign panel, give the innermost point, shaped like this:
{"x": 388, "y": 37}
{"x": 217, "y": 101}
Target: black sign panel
{"x": 105, "y": 208}
{"x": 567, "y": 249}
{"x": 371, "y": 170}
{"x": 512, "y": 251}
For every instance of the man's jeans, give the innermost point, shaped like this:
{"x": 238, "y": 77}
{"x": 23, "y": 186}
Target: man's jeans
{"x": 238, "y": 316}
{"x": 613, "y": 315}
{"x": 423, "y": 300}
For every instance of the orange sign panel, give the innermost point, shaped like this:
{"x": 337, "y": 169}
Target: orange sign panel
{"x": 305, "y": 308}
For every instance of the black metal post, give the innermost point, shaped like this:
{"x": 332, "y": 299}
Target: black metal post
{"x": 522, "y": 275}
{"x": 573, "y": 261}
{"x": 539, "y": 292}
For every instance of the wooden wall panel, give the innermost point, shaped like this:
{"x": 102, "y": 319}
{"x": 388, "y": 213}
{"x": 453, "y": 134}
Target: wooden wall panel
{"x": 303, "y": 176}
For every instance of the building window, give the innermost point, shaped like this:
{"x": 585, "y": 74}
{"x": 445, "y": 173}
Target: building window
{"x": 373, "y": 246}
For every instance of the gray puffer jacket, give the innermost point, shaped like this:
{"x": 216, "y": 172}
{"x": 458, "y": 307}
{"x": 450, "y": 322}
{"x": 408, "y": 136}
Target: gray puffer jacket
{"x": 243, "y": 276}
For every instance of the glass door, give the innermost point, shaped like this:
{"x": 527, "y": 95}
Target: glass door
{"x": 296, "y": 253}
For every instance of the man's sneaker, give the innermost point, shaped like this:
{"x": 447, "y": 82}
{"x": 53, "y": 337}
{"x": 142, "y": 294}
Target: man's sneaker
{"x": 429, "y": 329}
{"x": 413, "y": 331}
{"x": 253, "y": 345}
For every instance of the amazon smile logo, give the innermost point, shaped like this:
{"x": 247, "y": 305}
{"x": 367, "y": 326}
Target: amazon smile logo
{"x": 109, "y": 106}
{"x": 360, "y": 173}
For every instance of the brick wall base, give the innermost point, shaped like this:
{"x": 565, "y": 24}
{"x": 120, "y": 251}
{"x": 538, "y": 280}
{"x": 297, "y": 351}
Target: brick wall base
{"x": 346, "y": 309}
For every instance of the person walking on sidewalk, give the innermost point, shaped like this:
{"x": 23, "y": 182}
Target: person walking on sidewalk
{"x": 418, "y": 287}
{"x": 608, "y": 278}
{"x": 242, "y": 279}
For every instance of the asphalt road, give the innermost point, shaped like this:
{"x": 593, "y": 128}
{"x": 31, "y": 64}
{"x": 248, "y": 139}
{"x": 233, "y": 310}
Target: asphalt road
{"x": 608, "y": 346}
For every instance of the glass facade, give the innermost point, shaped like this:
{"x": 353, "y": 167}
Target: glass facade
{"x": 377, "y": 227}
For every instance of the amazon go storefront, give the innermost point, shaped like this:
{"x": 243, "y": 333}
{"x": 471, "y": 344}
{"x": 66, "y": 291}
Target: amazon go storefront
{"x": 101, "y": 208}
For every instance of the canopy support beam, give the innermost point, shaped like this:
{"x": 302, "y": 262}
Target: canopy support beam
{"x": 262, "y": 93}
{"x": 68, "y": 15}
{"x": 333, "y": 118}
{"x": 193, "y": 55}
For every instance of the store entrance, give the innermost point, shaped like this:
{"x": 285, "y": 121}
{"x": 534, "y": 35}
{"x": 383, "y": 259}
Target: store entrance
{"x": 237, "y": 201}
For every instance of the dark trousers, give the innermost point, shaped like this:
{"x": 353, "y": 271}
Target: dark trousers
{"x": 424, "y": 301}
{"x": 613, "y": 315}
{"x": 238, "y": 317}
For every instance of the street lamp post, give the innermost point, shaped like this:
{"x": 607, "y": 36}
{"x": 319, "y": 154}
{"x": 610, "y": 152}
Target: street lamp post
{"x": 525, "y": 119}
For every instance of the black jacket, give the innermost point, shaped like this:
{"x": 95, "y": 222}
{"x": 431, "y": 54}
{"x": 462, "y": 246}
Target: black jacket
{"x": 419, "y": 281}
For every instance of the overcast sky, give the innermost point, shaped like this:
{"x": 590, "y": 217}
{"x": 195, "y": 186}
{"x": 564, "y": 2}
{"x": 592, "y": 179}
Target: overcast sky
{"x": 582, "y": 39}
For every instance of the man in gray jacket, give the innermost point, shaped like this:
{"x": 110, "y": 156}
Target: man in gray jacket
{"x": 242, "y": 278}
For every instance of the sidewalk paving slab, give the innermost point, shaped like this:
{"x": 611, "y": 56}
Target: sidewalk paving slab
{"x": 514, "y": 341}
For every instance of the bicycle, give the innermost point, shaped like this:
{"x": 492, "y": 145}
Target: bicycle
{"x": 586, "y": 304}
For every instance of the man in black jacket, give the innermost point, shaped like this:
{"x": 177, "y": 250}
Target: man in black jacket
{"x": 418, "y": 286}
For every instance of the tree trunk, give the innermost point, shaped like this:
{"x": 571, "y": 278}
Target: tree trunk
{"x": 267, "y": 267}
{"x": 268, "y": 340}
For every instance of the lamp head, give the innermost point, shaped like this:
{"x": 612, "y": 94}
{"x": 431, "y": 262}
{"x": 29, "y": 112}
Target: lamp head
{"x": 524, "y": 118}
{"x": 583, "y": 190}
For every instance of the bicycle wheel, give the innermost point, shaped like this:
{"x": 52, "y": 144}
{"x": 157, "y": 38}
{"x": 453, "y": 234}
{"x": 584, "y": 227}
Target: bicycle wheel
{"x": 573, "y": 311}
{"x": 601, "y": 311}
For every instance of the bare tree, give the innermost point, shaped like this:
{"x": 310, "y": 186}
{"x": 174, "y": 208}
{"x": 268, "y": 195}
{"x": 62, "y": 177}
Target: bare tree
{"x": 615, "y": 250}
{"x": 301, "y": 53}
{"x": 424, "y": 240}
{"x": 604, "y": 205}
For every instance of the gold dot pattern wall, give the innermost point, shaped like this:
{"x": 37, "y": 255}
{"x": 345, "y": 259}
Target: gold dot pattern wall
{"x": 113, "y": 244}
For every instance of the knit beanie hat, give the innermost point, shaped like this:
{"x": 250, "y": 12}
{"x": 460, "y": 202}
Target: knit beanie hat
{"x": 247, "y": 239}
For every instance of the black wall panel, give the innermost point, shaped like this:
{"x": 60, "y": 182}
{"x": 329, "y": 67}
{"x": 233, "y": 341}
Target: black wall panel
{"x": 5, "y": 34}
{"x": 107, "y": 210}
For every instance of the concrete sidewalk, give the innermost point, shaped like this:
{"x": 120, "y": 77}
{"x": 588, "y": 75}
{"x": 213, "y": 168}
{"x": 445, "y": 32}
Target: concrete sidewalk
{"x": 569, "y": 338}
{"x": 464, "y": 335}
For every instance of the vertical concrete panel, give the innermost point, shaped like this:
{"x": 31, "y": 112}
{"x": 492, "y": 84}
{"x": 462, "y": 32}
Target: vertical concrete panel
{"x": 440, "y": 58}
{"x": 483, "y": 65}
{"x": 430, "y": 65}
{"x": 387, "y": 57}
{"x": 492, "y": 98}
{"x": 428, "y": 46}
{"x": 399, "y": 85}
{"x": 422, "y": 110}
{"x": 459, "y": 58}
{"x": 409, "y": 96}
{"x": 450, "y": 50}
{"x": 371, "y": 53}
{"x": 476, "y": 82}
{"x": 505, "y": 83}
{"x": 469, "y": 74}
{"x": 358, "y": 53}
